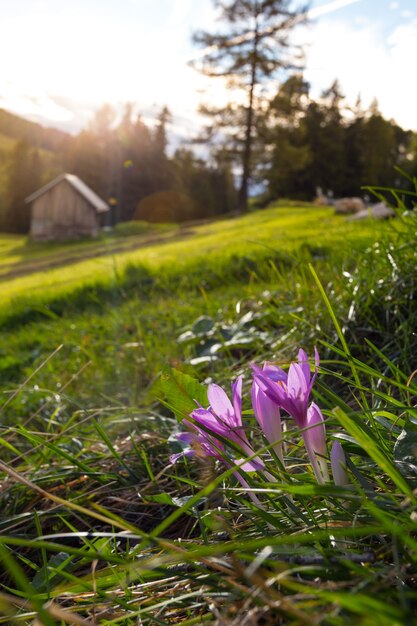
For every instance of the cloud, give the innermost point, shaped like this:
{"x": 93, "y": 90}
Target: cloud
{"x": 71, "y": 59}
{"x": 367, "y": 63}
{"x": 71, "y": 64}
{"x": 38, "y": 105}
{"x": 74, "y": 66}
{"x": 335, "y": 5}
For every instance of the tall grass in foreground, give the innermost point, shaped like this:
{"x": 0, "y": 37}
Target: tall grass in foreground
{"x": 99, "y": 528}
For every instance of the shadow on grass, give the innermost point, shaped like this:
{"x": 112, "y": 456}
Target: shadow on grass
{"x": 138, "y": 280}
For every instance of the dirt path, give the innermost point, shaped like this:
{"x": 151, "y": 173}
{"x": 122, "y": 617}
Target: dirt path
{"x": 23, "y": 268}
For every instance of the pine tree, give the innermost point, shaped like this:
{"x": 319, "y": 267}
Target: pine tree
{"x": 161, "y": 167}
{"x": 289, "y": 153}
{"x": 354, "y": 150}
{"x": 325, "y": 135}
{"x": 380, "y": 149}
{"x": 253, "y": 51}
{"x": 137, "y": 171}
{"x": 208, "y": 187}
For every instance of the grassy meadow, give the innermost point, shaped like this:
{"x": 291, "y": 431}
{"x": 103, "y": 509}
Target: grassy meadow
{"x": 144, "y": 290}
{"x": 277, "y": 233}
{"x": 105, "y": 345}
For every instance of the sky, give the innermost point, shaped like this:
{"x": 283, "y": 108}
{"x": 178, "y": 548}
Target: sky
{"x": 62, "y": 59}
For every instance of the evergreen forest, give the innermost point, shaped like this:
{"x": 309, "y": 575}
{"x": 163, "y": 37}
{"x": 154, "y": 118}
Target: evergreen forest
{"x": 302, "y": 147}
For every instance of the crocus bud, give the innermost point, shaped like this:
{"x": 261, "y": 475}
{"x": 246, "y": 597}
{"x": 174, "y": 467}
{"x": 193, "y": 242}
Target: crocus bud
{"x": 268, "y": 417}
{"x": 315, "y": 442}
{"x": 316, "y": 433}
{"x": 338, "y": 463}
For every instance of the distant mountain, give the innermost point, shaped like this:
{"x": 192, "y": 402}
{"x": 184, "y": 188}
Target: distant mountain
{"x": 15, "y": 127}
{"x": 49, "y": 142}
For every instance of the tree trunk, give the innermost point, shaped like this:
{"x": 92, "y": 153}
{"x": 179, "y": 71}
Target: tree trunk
{"x": 247, "y": 150}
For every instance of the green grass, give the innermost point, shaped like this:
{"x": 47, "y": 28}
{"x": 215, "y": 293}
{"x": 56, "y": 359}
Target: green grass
{"x": 277, "y": 231}
{"x": 85, "y": 427}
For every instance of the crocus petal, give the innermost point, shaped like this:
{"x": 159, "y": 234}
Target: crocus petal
{"x": 211, "y": 422}
{"x": 180, "y": 455}
{"x": 220, "y": 404}
{"x": 237, "y": 400}
{"x": 185, "y": 437}
{"x": 316, "y": 369}
{"x": 211, "y": 447}
{"x": 274, "y": 373}
{"x": 216, "y": 425}
{"x": 268, "y": 417}
{"x": 316, "y": 433}
{"x": 278, "y": 393}
{"x": 297, "y": 384}
{"x": 189, "y": 425}
{"x": 305, "y": 365}
{"x": 315, "y": 443}
{"x": 267, "y": 385}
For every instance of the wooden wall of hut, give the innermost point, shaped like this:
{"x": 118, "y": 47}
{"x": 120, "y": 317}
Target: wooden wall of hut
{"x": 62, "y": 213}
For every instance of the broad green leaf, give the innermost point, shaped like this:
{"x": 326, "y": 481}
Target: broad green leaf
{"x": 181, "y": 392}
{"x": 202, "y": 325}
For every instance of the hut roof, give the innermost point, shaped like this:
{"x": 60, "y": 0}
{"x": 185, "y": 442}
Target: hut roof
{"x": 79, "y": 186}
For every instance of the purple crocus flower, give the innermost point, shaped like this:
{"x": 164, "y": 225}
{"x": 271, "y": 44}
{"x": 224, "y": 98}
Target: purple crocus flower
{"x": 200, "y": 443}
{"x": 267, "y": 414}
{"x": 290, "y": 391}
{"x": 197, "y": 443}
{"x": 338, "y": 463}
{"x": 315, "y": 442}
{"x": 224, "y": 418}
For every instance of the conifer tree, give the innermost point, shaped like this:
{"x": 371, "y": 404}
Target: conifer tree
{"x": 288, "y": 155}
{"x": 380, "y": 148}
{"x": 252, "y": 48}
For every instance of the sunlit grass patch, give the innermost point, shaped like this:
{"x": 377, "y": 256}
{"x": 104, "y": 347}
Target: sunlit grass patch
{"x": 270, "y": 233}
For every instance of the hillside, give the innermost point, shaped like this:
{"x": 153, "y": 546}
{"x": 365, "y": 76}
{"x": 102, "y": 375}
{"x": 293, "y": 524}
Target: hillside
{"x": 6, "y": 147}
{"x": 15, "y": 127}
{"x": 49, "y": 142}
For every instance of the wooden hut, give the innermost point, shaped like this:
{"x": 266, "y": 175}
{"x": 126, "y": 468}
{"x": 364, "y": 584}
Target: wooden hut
{"x": 65, "y": 208}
